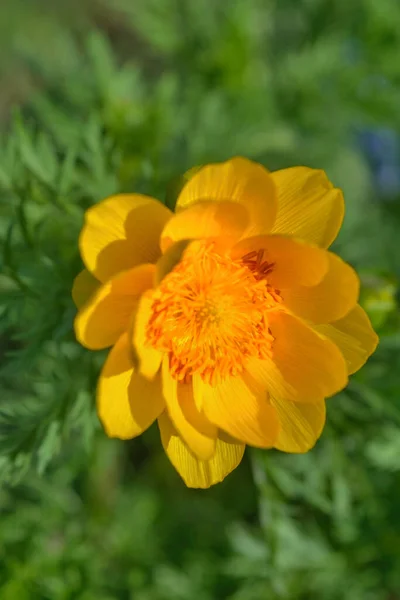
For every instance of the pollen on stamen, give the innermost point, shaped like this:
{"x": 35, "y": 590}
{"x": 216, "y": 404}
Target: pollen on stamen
{"x": 209, "y": 314}
{"x": 254, "y": 261}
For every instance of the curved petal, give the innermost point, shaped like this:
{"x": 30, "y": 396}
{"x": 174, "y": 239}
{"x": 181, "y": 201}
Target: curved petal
{"x": 198, "y": 433}
{"x": 175, "y": 186}
{"x": 122, "y": 232}
{"x": 240, "y": 410}
{"x": 83, "y": 288}
{"x": 127, "y": 404}
{"x": 205, "y": 220}
{"x": 148, "y": 358}
{"x": 101, "y": 321}
{"x": 354, "y": 336}
{"x": 331, "y": 299}
{"x": 309, "y": 207}
{"x": 169, "y": 260}
{"x": 194, "y": 472}
{"x": 289, "y": 261}
{"x": 237, "y": 180}
{"x": 303, "y": 367}
{"x": 301, "y": 424}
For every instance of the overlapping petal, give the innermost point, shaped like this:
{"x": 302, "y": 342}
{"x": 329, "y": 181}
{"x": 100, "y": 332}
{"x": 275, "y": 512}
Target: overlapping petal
{"x": 236, "y": 180}
{"x": 304, "y": 366}
{"x": 83, "y": 288}
{"x": 127, "y": 403}
{"x": 205, "y": 220}
{"x": 102, "y": 320}
{"x": 292, "y": 261}
{"x": 170, "y": 259}
{"x": 122, "y": 232}
{"x": 148, "y": 359}
{"x": 309, "y": 207}
{"x": 196, "y": 430}
{"x": 354, "y": 336}
{"x": 241, "y": 410}
{"x": 198, "y": 473}
{"x": 329, "y": 300}
{"x": 300, "y": 424}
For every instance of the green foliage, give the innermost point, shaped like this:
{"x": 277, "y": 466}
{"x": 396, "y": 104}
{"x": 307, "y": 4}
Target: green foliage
{"x": 172, "y": 84}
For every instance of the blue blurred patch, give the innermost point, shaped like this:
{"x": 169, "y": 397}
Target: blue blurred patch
{"x": 381, "y": 147}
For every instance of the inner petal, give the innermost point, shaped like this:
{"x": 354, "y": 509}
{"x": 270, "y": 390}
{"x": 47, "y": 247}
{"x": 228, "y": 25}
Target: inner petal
{"x": 287, "y": 261}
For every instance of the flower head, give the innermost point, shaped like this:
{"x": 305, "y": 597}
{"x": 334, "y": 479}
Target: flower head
{"x": 230, "y": 322}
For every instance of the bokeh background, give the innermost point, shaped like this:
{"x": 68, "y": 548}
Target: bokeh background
{"x": 98, "y": 97}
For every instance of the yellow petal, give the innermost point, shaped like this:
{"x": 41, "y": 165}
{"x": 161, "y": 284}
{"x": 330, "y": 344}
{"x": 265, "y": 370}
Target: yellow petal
{"x": 122, "y": 232}
{"x": 309, "y": 207}
{"x": 240, "y": 410}
{"x": 198, "y": 433}
{"x": 148, "y": 358}
{"x": 354, "y": 336}
{"x": 83, "y": 288}
{"x": 304, "y": 366}
{"x": 238, "y": 180}
{"x": 127, "y": 403}
{"x": 292, "y": 261}
{"x": 205, "y": 220}
{"x": 102, "y": 320}
{"x": 169, "y": 260}
{"x": 331, "y": 299}
{"x": 300, "y": 424}
{"x": 194, "y": 472}
{"x": 175, "y": 186}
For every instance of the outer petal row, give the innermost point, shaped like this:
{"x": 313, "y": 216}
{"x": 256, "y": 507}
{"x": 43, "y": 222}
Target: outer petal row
{"x": 304, "y": 366}
{"x": 127, "y": 403}
{"x": 288, "y": 426}
{"x": 236, "y": 180}
{"x": 300, "y": 424}
{"x": 122, "y": 232}
{"x": 83, "y": 288}
{"x": 198, "y": 473}
{"x": 309, "y": 207}
{"x": 354, "y": 336}
{"x": 107, "y": 315}
{"x": 198, "y": 433}
{"x": 331, "y": 299}
{"x": 299, "y": 201}
{"x": 241, "y": 409}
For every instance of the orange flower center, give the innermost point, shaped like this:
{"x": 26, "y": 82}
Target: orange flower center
{"x": 210, "y": 313}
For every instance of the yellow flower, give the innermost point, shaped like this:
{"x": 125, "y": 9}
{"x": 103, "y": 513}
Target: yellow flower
{"x": 230, "y": 322}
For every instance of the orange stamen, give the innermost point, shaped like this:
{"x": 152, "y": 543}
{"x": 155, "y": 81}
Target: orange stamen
{"x": 210, "y": 313}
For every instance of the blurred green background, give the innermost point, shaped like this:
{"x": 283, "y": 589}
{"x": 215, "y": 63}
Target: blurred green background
{"x": 98, "y": 97}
